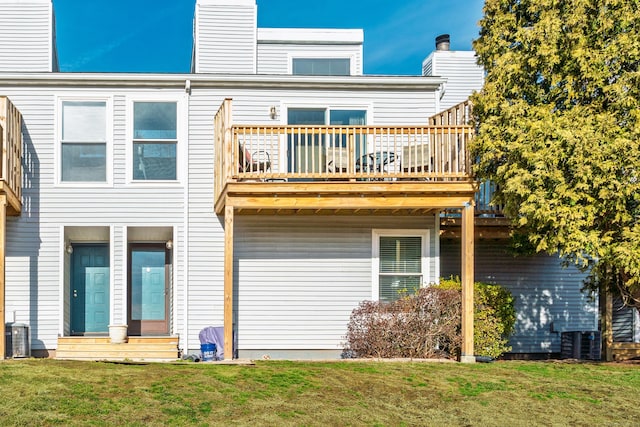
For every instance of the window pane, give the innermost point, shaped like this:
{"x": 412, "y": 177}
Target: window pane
{"x": 155, "y": 120}
{"x": 321, "y": 66}
{"x": 154, "y": 161}
{"x": 394, "y": 287}
{"x": 305, "y": 116}
{"x": 84, "y": 162}
{"x": 84, "y": 121}
{"x": 348, "y": 117}
{"x": 400, "y": 255}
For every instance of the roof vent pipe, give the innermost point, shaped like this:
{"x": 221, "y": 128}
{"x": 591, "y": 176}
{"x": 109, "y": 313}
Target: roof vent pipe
{"x": 443, "y": 42}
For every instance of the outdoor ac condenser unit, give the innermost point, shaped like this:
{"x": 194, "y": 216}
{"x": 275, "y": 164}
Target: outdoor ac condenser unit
{"x": 580, "y": 345}
{"x": 17, "y": 340}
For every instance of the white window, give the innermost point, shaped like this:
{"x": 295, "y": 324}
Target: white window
{"x": 321, "y": 66}
{"x": 83, "y": 141}
{"x": 155, "y": 140}
{"x": 400, "y": 262}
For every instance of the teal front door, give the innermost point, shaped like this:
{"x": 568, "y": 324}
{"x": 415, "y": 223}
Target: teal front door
{"x": 89, "y": 289}
{"x": 148, "y": 289}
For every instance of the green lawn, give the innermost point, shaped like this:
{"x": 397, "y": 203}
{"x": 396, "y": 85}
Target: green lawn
{"x": 48, "y": 392}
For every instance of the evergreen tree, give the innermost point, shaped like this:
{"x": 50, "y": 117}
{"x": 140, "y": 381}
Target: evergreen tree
{"x": 559, "y": 129}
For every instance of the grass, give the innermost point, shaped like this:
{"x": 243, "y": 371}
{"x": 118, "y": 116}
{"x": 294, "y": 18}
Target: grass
{"x": 49, "y": 392}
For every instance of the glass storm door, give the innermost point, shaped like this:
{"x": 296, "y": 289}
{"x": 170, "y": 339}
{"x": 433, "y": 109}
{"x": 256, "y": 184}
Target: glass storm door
{"x": 148, "y": 289}
{"x": 89, "y": 289}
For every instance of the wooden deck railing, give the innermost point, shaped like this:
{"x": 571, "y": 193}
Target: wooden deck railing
{"x": 11, "y": 142}
{"x": 459, "y": 114}
{"x": 362, "y": 153}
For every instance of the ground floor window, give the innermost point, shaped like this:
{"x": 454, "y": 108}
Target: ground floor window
{"x": 400, "y": 262}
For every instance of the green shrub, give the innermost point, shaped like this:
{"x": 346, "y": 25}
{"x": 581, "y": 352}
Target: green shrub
{"x": 494, "y": 316}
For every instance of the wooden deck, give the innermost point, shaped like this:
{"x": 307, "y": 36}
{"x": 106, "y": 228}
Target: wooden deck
{"x": 10, "y": 184}
{"x": 352, "y": 170}
{"x": 100, "y": 348}
{"x": 288, "y": 169}
{"x": 11, "y": 161}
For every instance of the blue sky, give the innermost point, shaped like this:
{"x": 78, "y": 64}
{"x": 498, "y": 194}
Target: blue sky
{"x": 156, "y": 35}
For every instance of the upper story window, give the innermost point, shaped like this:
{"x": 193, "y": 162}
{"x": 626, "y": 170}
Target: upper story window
{"x": 155, "y": 140}
{"x": 84, "y": 141}
{"x": 321, "y": 66}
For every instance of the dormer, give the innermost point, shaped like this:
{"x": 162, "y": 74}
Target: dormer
{"x": 322, "y": 52}
{"x": 27, "y": 36}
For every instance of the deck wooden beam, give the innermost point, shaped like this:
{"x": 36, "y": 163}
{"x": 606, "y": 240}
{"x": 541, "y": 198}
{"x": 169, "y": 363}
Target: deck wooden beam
{"x": 467, "y": 353}
{"x": 337, "y": 202}
{"x": 228, "y": 282}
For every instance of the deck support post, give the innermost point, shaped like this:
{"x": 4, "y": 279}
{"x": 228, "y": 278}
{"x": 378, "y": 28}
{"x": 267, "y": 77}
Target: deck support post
{"x": 228, "y": 282}
{"x": 467, "y": 253}
{"x": 3, "y": 234}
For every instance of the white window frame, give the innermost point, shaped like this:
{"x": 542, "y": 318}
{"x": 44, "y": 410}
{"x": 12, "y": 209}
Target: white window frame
{"x": 317, "y": 105}
{"x": 181, "y": 138}
{"x": 108, "y": 141}
{"x": 353, "y": 70}
{"x": 424, "y": 234}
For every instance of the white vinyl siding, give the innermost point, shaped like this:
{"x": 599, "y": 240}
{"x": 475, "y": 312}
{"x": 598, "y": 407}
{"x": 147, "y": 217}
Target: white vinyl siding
{"x": 548, "y": 298}
{"x": 299, "y": 277}
{"x": 26, "y": 31}
{"x": 225, "y": 37}
{"x": 463, "y": 74}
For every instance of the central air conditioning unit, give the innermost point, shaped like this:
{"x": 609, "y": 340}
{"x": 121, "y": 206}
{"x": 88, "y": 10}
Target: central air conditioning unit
{"x": 17, "y": 340}
{"x": 580, "y": 345}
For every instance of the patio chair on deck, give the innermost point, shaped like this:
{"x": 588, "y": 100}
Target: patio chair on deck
{"x": 256, "y": 161}
{"x": 337, "y": 159}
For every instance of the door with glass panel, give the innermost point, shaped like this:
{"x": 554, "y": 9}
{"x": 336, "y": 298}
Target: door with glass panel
{"x": 89, "y": 299}
{"x": 310, "y": 152}
{"x": 149, "y": 270}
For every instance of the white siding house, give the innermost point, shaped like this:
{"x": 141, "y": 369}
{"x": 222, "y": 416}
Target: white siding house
{"x": 130, "y": 208}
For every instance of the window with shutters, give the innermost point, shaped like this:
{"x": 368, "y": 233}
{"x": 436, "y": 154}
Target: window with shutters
{"x": 400, "y": 262}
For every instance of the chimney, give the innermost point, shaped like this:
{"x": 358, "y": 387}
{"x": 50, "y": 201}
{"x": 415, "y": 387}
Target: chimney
{"x": 442, "y": 42}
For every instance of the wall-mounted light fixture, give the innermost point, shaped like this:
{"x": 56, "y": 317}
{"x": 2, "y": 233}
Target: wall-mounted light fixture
{"x": 273, "y": 112}
{"x": 69, "y": 248}
{"x": 169, "y": 244}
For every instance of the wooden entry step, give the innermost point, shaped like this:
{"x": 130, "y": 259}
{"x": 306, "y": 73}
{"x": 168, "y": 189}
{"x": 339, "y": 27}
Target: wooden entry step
{"x": 100, "y": 348}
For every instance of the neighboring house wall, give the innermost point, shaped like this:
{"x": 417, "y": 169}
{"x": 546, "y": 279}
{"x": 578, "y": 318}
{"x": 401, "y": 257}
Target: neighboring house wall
{"x": 225, "y": 37}
{"x": 463, "y": 74}
{"x": 548, "y": 298}
{"x": 625, "y": 322}
{"x": 26, "y": 31}
{"x": 278, "y": 46}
